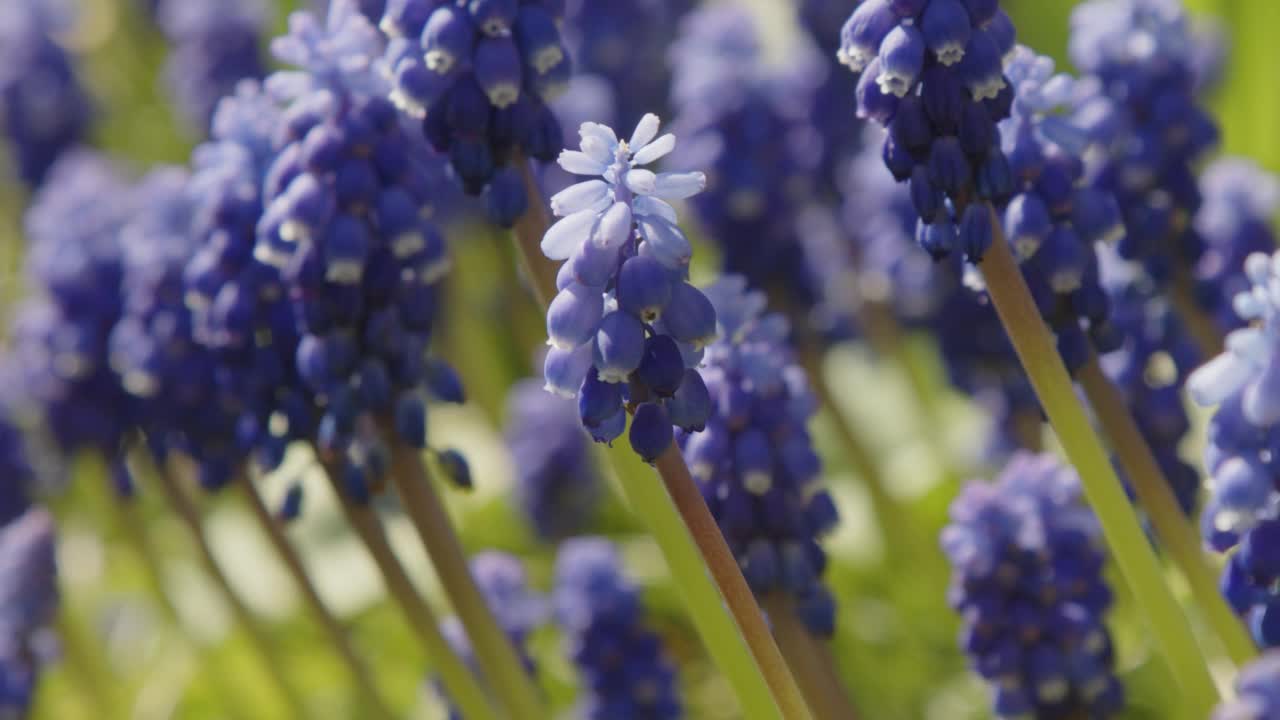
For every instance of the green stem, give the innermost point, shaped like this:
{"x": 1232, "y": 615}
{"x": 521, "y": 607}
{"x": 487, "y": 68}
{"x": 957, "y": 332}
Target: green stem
{"x": 808, "y": 656}
{"x": 262, "y": 643}
{"x": 1173, "y": 529}
{"x": 498, "y": 659}
{"x": 463, "y": 688}
{"x": 1038, "y": 353}
{"x": 86, "y": 664}
{"x": 696, "y": 553}
{"x": 337, "y": 634}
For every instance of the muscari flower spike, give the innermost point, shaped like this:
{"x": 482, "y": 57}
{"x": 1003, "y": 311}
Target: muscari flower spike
{"x": 620, "y": 659}
{"x": 28, "y": 602}
{"x": 626, "y": 327}
{"x": 931, "y": 72}
{"x": 1240, "y": 202}
{"x": 1257, "y": 691}
{"x": 44, "y": 109}
{"x": 1139, "y": 105}
{"x": 504, "y": 585}
{"x": 480, "y": 74}
{"x": 213, "y": 47}
{"x": 557, "y": 484}
{"x": 1027, "y": 560}
{"x": 761, "y": 152}
{"x": 755, "y": 463}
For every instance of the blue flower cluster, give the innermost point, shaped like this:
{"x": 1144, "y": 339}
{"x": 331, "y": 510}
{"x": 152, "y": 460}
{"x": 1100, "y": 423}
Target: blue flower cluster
{"x": 1151, "y": 367}
{"x": 626, "y": 328}
{"x": 1027, "y": 581}
{"x": 212, "y": 47}
{"x": 1241, "y": 455}
{"x": 1240, "y": 202}
{"x": 519, "y": 610}
{"x": 480, "y": 73}
{"x": 1140, "y": 106}
{"x": 748, "y": 127}
{"x": 1257, "y": 692}
{"x": 931, "y": 71}
{"x": 557, "y": 485}
{"x": 624, "y": 673}
{"x": 755, "y": 463}
{"x": 44, "y": 110}
{"x": 829, "y": 112}
{"x": 60, "y": 336}
{"x": 28, "y": 601}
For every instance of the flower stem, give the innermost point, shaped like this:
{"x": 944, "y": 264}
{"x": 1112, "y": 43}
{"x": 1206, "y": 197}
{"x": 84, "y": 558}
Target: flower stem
{"x": 498, "y": 658}
{"x": 1038, "y": 353}
{"x": 1208, "y": 337}
{"x": 696, "y": 553}
{"x": 463, "y": 688}
{"x": 807, "y": 655}
{"x": 1173, "y": 529}
{"x": 85, "y": 663}
{"x": 337, "y": 634}
{"x": 186, "y": 511}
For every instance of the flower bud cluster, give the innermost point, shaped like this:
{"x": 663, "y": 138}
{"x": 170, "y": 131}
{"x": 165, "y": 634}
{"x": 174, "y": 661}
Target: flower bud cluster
{"x": 931, "y": 72}
{"x": 755, "y": 463}
{"x": 621, "y": 661}
{"x": 626, "y": 328}
{"x": 213, "y": 46}
{"x": 557, "y": 485}
{"x": 44, "y": 110}
{"x": 480, "y": 74}
{"x": 1027, "y": 580}
{"x": 1139, "y": 60}
{"x": 29, "y": 600}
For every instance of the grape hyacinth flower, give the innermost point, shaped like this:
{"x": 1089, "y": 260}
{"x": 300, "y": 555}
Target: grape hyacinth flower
{"x": 44, "y": 110}
{"x": 932, "y": 73}
{"x": 1240, "y": 202}
{"x": 753, "y": 137}
{"x": 1139, "y": 104}
{"x": 505, "y": 586}
{"x": 480, "y": 75}
{"x": 213, "y": 47}
{"x": 1257, "y": 691}
{"x": 626, "y": 327}
{"x": 343, "y": 223}
{"x": 841, "y": 138}
{"x": 29, "y": 600}
{"x": 557, "y": 485}
{"x": 755, "y": 463}
{"x": 1027, "y": 581}
{"x": 624, "y": 673}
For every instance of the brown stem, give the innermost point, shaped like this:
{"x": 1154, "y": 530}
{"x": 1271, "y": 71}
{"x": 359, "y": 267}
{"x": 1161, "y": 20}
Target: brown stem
{"x": 1206, "y": 333}
{"x": 337, "y": 634}
{"x": 810, "y": 660}
{"x": 1172, "y": 527}
{"x": 497, "y": 656}
{"x": 190, "y": 517}
{"x": 462, "y": 686}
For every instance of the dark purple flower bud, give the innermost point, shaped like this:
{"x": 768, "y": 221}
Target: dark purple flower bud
{"x": 949, "y": 169}
{"x": 690, "y": 406}
{"x": 643, "y": 287}
{"x": 690, "y": 317}
{"x": 651, "y": 432}
{"x": 975, "y": 231}
{"x": 598, "y": 401}
{"x": 619, "y": 346}
{"x": 456, "y": 469}
{"x": 411, "y": 419}
{"x": 947, "y": 30}
{"x": 662, "y": 368}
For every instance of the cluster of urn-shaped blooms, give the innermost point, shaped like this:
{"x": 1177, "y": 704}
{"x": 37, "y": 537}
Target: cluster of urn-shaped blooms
{"x": 626, "y": 328}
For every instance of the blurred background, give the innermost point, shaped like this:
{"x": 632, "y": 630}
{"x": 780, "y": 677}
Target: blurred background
{"x": 896, "y": 643}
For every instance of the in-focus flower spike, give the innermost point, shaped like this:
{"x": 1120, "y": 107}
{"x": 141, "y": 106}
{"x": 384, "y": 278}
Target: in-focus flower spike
{"x": 213, "y": 46}
{"x": 480, "y": 75}
{"x": 557, "y": 485}
{"x": 28, "y": 603}
{"x": 761, "y": 152}
{"x": 755, "y": 463}
{"x": 1257, "y": 691}
{"x": 621, "y": 661}
{"x": 1235, "y": 221}
{"x": 1139, "y": 103}
{"x": 345, "y": 200}
{"x": 44, "y": 109}
{"x": 931, "y": 73}
{"x": 626, "y": 323}
{"x": 60, "y": 334}
{"x": 1151, "y": 367}
{"x": 1027, "y": 560}
{"x": 519, "y": 609}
